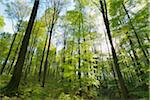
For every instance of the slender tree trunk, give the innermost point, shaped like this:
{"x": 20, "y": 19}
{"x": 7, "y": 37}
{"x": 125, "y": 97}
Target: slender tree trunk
{"x": 112, "y": 66}
{"x": 13, "y": 60}
{"x": 27, "y": 71}
{"x": 79, "y": 66}
{"x": 137, "y": 37}
{"x": 147, "y": 36}
{"x": 117, "y": 68}
{"x": 11, "y": 47}
{"x": 132, "y": 59}
{"x": 79, "y": 59}
{"x": 63, "y": 56}
{"x": 138, "y": 70}
{"x": 16, "y": 77}
{"x": 16, "y": 54}
{"x": 41, "y": 63}
{"x": 33, "y": 43}
{"x": 27, "y": 59}
{"x": 46, "y": 60}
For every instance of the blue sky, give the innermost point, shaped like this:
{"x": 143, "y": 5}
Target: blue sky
{"x": 8, "y": 23}
{"x": 99, "y": 23}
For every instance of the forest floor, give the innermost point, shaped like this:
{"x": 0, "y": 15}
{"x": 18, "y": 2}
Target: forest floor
{"x": 53, "y": 90}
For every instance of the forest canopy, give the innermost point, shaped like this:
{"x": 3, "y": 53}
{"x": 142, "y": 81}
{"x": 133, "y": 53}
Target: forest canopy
{"x": 74, "y": 49}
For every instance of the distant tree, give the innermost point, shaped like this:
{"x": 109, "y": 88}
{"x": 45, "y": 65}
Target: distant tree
{"x": 56, "y": 8}
{"x": 2, "y": 23}
{"x": 17, "y": 11}
{"x": 115, "y": 58}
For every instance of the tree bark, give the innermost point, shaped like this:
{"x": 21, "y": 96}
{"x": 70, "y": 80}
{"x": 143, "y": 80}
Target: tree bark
{"x": 137, "y": 37}
{"x": 63, "y": 56}
{"x": 49, "y": 44}
{"x": 11, "y": 47}
{"x": 43, "y": 53}
{"x": 138, "y": 71}
{"x": 117, "y": 68}
{"x": 16, "y": 77}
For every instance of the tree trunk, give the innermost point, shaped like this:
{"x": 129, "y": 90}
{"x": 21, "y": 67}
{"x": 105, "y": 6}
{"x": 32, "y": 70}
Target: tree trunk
{"x": 112, "y": 66}
{"x": 46, "y": 60}
{"x": 29, "y": 62}
{"x": 43, "y": 53}
{"x": 63, "y": 56}
{"x": 13, "y": 60}
{"x": 16, "y": 77}
{"x": 138, "y": 70}
{"x": 11, "y": 47}
{"x": 117, "y": 68}
{"x": 137, "y": 37}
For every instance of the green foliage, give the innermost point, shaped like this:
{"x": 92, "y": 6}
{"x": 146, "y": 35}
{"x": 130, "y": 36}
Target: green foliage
{"x": 114, "y": 6}
{"x": 5, "y": 40}
{"x": 18, "y": 10}
{"x": 2, "y": 23}
{"x": 75, "y": 17}
{"x": 68, "y": 97}
{"x": 77, "y": 40}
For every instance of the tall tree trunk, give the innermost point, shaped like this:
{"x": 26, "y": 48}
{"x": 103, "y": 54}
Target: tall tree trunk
{"x": 63, "y": 56}
{"x": 138, "y": 70}
{"x": 117, "y": 68}
{"x": 125, "y": 63}
{"x": 33, "y": 45}
{"x": 137, "y": 37}
{"x": 16, "y": 77}
{"x": 79, "y": 59}
{"x": 49, "y": 43}
{"x": 15, "y": 55}
{"x": 79, "y": 66}
{"x": 111, "y": 65}
{"x": 41, "y": 63}
{"x": 11, "y": 47}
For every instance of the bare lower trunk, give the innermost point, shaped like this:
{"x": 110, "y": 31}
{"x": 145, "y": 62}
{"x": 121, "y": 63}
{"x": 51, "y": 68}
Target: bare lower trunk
{"x": 46, "y": 60}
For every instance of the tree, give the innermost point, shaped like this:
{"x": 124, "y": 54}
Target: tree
{"x": 15, "y": 80}
{"x": 136, "y": 35}
{"x": 74, "y": 51}
{"x": 1, "y": 21}
{"x": 106, "y": 21}
{"x": 15, "y": 11}
{"x": 56, "y": 7}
